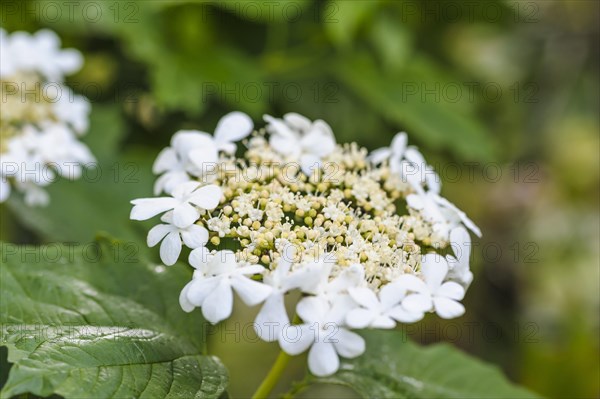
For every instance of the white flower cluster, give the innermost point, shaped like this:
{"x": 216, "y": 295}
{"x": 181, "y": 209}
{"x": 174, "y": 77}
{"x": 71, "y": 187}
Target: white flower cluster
{"x": 41, "y": 117}
{"x": 366, "y": 239}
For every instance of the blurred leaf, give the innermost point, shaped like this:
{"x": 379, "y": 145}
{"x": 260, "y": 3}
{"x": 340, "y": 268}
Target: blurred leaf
{"x": 394, "y": 367}
{"x": 342, "y": 19}
{"x": 392, "y": 40}
{"x": 436, "y": 122}
{"x": 76, "y": 326}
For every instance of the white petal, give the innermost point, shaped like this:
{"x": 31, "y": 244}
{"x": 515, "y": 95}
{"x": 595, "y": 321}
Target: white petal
{"x": 411, "y": 282}
{"x": 168, "y": 181}
{"x": 451, "y": 290}
{"x": 323, "y": 360}
{"x": 170, "y": 248}
{"x": 391, "y": 294}
{"x": 364, "y": 297}
{"x": 184, "y": 215}
{"x": 207, "y": 197}
{"x": 205, "y": 159}
{"x": 271, "y": 318}
{"x": 278, "y": 127}
{"x": 297, "y": 121}
{"x": 399, "y": 144}
{"x": 199, "y": 257}
{"x": 4, "y": 189}
{"x": 309, "y": 163}
{"x": 418, "y": 303}
{"x": 383, "y": 322}
{"x": 463, "y": 216}
{"x": 434, "y": 268}
{"x": 195, "y": 236}
{"x": 461, "y": 244}
{"x": 348, "y": 344}
{"x": 379, "y": 155}
{"x": 448, "y": 308}
{"x": 296, "y": 339}
{"x": 166, "y": 160}
{"x": 312, "y": 309}
{"x": 157, "y": 233}
{"x": 185, "y": 304}
{"x": 415, "y": 201}
{"x": 145, "y": 208}
{"x": 284, "y": 145}
{"x": 402, "y": 315}
{"x": 200, "y": 288}
{"x": 359, "y": 318}
{"x": 218, "y": 305}
{"x": 233, "y": 127}
{"x": 250, "y": 291}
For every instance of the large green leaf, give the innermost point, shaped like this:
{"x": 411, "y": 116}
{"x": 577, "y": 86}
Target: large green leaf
{"x": 422, "y": 104}
{"x": 394, "y": 367}
{"x": 98, "y": 321}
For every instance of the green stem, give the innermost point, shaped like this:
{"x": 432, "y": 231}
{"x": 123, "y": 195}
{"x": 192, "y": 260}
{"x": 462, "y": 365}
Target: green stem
{"x": 267, "y": 385}
{"x": 274, "y": 374}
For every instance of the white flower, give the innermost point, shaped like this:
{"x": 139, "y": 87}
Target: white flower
{"x": 214, "y": 280}
{"x": 4, "y": 188}
{"x": 273, "y": 316}
{"x": 382, "y": 311}
{"x": 322, "y": 328}
{"x": 73, "y": 110}
{"x": 182, "y": 202}
{"x": 433, "y": 293}
{"x": 408, "y": 163}
{"x": 330, "y": 289}
{"x": 196, "y": 153}
{"x": 443, "y": 214}
{"x": 299, "y": 139}
{"x": 459, "y": 263}
{"x": 39, "y": 53}
{"x": 193, "y": 236}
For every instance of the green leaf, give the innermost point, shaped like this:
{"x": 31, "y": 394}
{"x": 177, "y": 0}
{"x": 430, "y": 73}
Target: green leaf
{"x": 97, "y": 321}
{"x": 403, "y": 99}
{"x": 99, "y": 200}
{"x": 342, "y": 19}
{"x": 394, "y": 367}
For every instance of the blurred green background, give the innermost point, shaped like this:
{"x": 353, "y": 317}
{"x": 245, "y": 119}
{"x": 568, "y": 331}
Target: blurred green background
{"x": 502, "y": 97}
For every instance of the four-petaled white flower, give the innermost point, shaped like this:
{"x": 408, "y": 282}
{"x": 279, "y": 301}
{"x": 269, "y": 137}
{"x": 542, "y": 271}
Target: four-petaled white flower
{"x": 273, "y": 316}
{"x": 216, "y": 277}
{"x": 408, "y": 163}
{"x": 196, "y": 153}
{"x": 185, "y": 196}
{"x": 433, "y": 293}
{"x": 324, "y": 331}
{"x": 299, "y": 139}
{"x": 382, "y": 311}
{"x": 193, "y": 236}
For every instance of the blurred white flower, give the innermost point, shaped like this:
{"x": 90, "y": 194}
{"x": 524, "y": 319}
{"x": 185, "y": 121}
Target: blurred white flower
{"x": 38, "y": 53}
{"x": 39, "y": 133}
{"x": 299, "y": 139}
